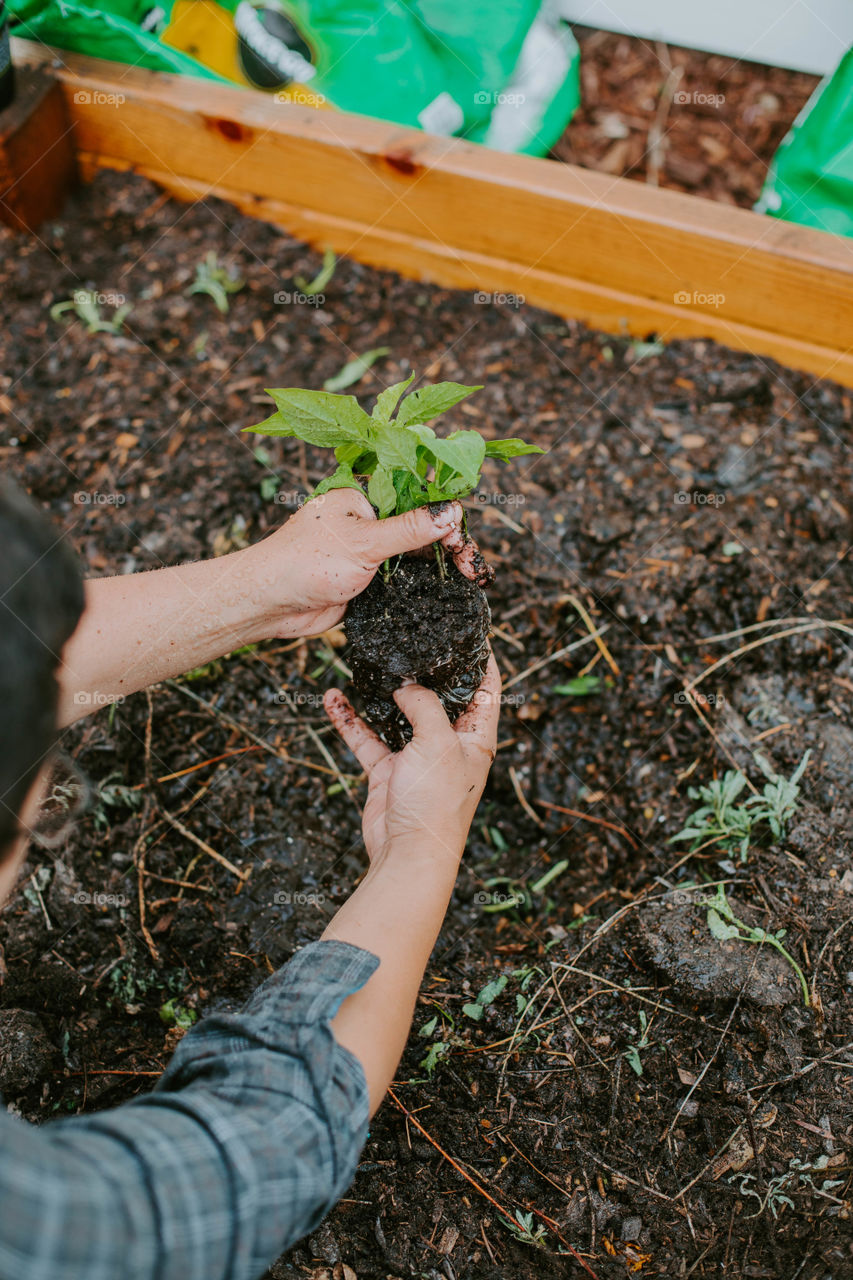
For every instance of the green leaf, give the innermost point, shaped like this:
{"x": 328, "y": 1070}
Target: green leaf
{"x": 419, "y": 406}
{"x": 492, "y": 990}
{"x": 322, "y": 278}
{"x": 354, "y": 370}
{"x": 269, "y": 487}
{"x": 632, "y": 1057}
{"x": 578, "y": 687}
{"x": 513, "y": 448}
{"x": 428, "y": 1028}
{"x": 473, "y": 1011}
{"x": 395, "y": 447}
{"x": 317, "y": 417}
{"x": 387, "y": 400}
{"x": 463, "y": 452}
{"x": 436, "y": 1053}
{"x": 381, "y": 491}
{"x": 720, "y": 930}
{"x": 342, "y": 478}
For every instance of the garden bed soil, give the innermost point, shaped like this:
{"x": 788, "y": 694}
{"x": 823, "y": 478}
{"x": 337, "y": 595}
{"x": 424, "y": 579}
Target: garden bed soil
{"x": 702, "y": 123}
{"x": 419, "y": 622}
{"x": 662, "y": 1105}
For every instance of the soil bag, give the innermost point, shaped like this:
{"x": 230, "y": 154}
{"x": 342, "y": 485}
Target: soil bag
{"x": 501, "y": 72}
{"x": 811, "y": 177}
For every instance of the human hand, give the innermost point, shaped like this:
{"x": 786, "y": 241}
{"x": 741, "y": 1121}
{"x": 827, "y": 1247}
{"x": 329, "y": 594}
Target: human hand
{"x": 327, "y": 553}
{"x": 424, "y": 797}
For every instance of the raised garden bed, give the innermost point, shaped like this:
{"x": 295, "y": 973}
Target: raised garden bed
{"x": 689, "y": 492}
{"x": 617, "y": 254}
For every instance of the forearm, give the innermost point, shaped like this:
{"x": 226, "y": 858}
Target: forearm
{"x": 396, "y": 913}
{"x": 141, "y": 628}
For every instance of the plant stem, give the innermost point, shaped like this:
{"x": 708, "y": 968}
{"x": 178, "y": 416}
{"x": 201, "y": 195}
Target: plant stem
{"x": 439, "y": 555}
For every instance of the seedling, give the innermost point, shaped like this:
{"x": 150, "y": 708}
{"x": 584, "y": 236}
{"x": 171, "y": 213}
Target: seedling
{"x": 216, "y": 281}
{"x": 725, "y": 925}
{"x": 85, "y": 306}
{"x": 355, "y": 369}
{"x": 322, "y": 278}
{"x": 721, "y": 818}
{"x": 405, "y": 463}
{"x": 578, "y": 686}
{"x": 174, "y": 1014}
{"x": 522, "y": 1228}
{"x": 487, "y": 996}
{"x": 632, "y": 1053}
{"x": 419, "y": 619}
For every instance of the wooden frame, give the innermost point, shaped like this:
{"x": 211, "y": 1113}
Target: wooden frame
{"x": 617, "y": 254}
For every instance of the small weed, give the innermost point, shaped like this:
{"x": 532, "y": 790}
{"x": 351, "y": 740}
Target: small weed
{"x": 632, "y": 1053}
{"x": 216, "y": 281}
{"x": 355, "y": 369}
{"x": 85, "y": 306}
{"x": 578, "y": 687}
{"x": 322, "y": 278}
{"x": 177, "y": 1015}
{"x": 113, "y": 795}
{"x": 487, "y": 996}
{"x": 797, "y": 1176}
{"x": 725, "y": 925}
{"x": 721, "y": 817}
{"x": 522, "y": 1228}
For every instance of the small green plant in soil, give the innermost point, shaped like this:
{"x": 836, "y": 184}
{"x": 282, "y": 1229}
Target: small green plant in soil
{"x": 523, "y": 1230}
{"x": 85, "y": 306}
{"x": 725, "y": 925}
{"x": 632, "y": 1053}
{"x": 420, "y": 618}
{"x": 322, "y": 278}
{"x": 216, "y": 281}
{"x": 722, "y": 818}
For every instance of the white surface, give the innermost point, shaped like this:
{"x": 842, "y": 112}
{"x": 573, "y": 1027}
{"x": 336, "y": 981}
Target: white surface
{"x": 807, "y": 35}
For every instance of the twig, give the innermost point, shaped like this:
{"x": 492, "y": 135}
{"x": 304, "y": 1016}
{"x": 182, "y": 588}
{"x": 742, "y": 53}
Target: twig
{"x": 139, "y": 848}
{"x": 522, "y": 799}
{"x": 654, "y": 140}
{"x": 204, "y": 846}
{"x": 588, "y": 817}
{"x": 756, "y": 644}
{"x": 573, "y": 600}
{"x": 554, "y": 657}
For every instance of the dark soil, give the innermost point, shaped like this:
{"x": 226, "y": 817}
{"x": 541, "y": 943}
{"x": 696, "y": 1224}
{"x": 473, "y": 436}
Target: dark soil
{"x": 687, "y": 493}
{"x": 720, "y": 121}
{"x": 423, "y": 622}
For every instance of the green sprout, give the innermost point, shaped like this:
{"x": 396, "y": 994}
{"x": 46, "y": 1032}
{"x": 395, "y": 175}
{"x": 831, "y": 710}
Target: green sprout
{"x": 85, "y": 305}
{"x": 725, "y": 925}
{"x": 405, "y": 463}
{"x": 217, "y": 282}
{"x": 522, "y": 1228}
{"x": 322, "y": 278}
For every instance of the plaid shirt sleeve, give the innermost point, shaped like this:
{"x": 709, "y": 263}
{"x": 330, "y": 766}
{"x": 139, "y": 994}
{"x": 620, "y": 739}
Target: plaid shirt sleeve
{"x": 250, "y": 1137}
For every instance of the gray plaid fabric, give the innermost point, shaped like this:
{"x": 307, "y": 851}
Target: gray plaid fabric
{"x": 251, "y": 1136}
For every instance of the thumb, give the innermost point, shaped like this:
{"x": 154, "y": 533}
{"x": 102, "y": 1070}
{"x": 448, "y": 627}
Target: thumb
{"x": 409, "y": 532}
{"x": 424, "y": 712}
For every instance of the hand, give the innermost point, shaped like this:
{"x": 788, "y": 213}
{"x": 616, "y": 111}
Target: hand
{"x": 330, "y": 549}
{"x": 425, "y": 796}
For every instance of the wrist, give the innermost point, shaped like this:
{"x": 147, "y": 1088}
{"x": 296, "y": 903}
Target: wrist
{"x": 428, "y": 849}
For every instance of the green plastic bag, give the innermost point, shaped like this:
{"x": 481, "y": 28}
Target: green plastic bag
{"x": 502, "y": 72}
{"x": 811, "y": 176}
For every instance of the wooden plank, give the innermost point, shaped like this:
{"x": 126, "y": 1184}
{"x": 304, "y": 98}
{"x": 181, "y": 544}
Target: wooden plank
{"x": 617, "y": 254}
{"x": 37, "y": 160}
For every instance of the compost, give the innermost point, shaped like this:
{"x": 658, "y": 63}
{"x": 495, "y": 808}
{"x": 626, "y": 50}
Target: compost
{"x": 585, "y": 1057}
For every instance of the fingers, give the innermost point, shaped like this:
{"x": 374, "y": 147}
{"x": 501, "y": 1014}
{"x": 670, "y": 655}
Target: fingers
{"x": 396, "y": 534}
{"x": 479, "y": 722}
{"x": 468, "y": 557}
{"x": 340, "y": 502}
{"x": 423, "y": 710}
{"x": 362, "y": 741}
